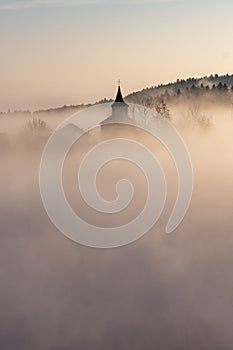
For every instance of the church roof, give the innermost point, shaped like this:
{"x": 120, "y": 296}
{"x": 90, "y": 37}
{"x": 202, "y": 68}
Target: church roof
{"x": 119, "y": 97}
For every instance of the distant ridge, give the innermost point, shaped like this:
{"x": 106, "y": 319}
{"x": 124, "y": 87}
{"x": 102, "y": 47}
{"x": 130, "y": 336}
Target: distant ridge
{"x": 212, "y": 84}
{"x": 182, "y": 85}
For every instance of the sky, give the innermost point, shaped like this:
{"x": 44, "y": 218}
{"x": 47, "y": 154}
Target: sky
{"x": 56, "y": 52}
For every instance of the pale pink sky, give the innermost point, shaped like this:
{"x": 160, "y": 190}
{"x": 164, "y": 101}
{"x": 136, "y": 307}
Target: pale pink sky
{"x": 57, "y": 52}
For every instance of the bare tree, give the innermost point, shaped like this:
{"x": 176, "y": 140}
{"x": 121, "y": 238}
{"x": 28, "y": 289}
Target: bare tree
{"x": 36, "y": 125}
{"x": 196, "y": 117}
{"x": 152, "y": 108}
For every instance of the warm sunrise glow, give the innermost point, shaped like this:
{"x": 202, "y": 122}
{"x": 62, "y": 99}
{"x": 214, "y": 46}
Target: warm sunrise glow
{"x": 70, "y": 52}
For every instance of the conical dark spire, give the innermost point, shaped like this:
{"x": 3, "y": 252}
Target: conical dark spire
{"x": 119, "y": 110}
{"x": 119, "y": 97}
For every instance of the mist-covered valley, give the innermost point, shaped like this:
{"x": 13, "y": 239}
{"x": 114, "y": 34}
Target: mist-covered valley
{"x": 160, "y": 292}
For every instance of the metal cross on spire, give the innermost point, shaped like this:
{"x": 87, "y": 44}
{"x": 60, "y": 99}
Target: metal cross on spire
{"x": 119, "y": 82}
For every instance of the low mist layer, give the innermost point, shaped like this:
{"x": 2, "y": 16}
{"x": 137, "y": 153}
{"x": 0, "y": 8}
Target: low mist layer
{"x": 161, "y": 292}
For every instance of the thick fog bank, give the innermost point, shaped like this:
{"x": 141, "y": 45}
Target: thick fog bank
{"x": 161, "y": 292}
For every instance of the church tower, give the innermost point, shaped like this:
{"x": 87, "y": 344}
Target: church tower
{"x": 120, "y": 110}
